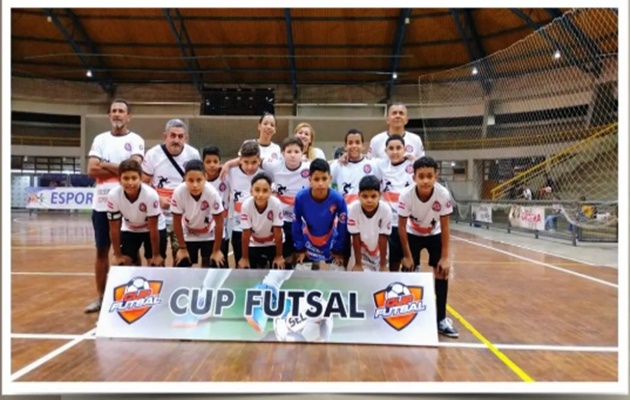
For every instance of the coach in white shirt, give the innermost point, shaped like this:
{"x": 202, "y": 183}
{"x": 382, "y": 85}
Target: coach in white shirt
{"x": 163, "y": 168}
{"x": 397, "y": 119}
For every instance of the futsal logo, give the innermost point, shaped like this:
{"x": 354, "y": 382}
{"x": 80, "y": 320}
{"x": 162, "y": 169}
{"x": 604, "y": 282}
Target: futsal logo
{"x": 399, "y": 304}
{"x": 134, "y": 299}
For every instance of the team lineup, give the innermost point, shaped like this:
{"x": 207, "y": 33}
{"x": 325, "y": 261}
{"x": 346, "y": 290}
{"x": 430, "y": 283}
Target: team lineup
{"x": 279, "y": 206}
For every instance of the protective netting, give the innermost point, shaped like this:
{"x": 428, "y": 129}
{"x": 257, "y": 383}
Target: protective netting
{"x": 539, "y": 115}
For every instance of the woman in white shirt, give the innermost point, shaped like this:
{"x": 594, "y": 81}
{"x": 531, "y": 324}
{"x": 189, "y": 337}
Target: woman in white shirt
{"x": 306, "y": 134}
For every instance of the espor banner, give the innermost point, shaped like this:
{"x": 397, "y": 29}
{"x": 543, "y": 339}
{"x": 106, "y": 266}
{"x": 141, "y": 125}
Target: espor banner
{"x": 60, "y": 198}
{"x": 269, "y": 305}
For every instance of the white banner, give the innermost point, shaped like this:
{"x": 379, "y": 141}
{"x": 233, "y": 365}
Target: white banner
{"x": 269, "y": 305}
{"x": 482, "y": 212}
{"x": 528, "y": 217}
{"x": 60, "y": 198}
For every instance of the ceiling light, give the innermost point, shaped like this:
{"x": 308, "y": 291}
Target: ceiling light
{"x": 88, "y": 73}
{"x": 395, "y": 76}
{"x": 475, "y": 71}
{"x": 557, "y": 54}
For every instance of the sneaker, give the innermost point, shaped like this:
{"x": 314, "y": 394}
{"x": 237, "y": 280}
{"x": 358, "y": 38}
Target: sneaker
{"x": 258, "y": 319}
{"x": 94, "y": 306}
{"x": 446, "y": 328}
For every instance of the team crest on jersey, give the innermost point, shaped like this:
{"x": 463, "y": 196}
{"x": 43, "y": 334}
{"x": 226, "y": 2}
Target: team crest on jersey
{"x": 216, "y": 205}
{"x": 143, "y": 207}
{"x": 128, "y": 146}
{"x": 448, "y": 204}
{"x": 342, "y": 217}
{"x": 436, "y": 206}
{"x": 155, "y": 204}
{"x": 333, "y": 208}
{"x": 367, "y": 168}
{"x": 141, "y": 146}
{"x": 270, "y": 215}
{"x": 274, "y": 156}
{"x": 304, "y": 173}
{"x": 409, "y": 148}
{"x": 204, "y": 205}
{"x": 222, "y": 187}
{"x": 409, "y": 169}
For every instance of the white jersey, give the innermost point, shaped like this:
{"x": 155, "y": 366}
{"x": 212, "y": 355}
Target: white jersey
{"x": 369, "y": 231}
{"x": 135, "y": 214}
{"x": 112, "y": 149}
{"x": 240, "y": 186}
{"x": 317, "y": 153}
{"x": 262, "y": 223}
{"x": 413, "y": 145}
{"x": 164, "y": 177}
{"x": 197, "y": 214}
{"x": 268, "y": 152}
{"x": 224, "y": 193}
{"x": 424, "y": 216}
{"x": 395, "y": 178}
{"x": 287, "y": 183}
{"x": 346, "y": 178}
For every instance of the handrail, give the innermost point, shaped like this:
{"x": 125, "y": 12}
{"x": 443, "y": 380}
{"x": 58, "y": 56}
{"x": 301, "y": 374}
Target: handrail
{"x": 552, "y": 158}
{"x": 34, "y": 140}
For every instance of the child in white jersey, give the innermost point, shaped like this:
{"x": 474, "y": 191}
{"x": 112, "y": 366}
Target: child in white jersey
{"x": 212, "y": 163}
{"x": 239, "y": 181}
{"x": 396, "y": 174}
{"x": 261, "y": 221}
{"x": 423, "y": 223}
{"x": 137, "y": 205}
{"x": 369, "y": 225}
{"x": 197, "y": 219}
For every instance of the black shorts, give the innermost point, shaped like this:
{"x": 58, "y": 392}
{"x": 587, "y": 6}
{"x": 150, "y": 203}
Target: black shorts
{"x": 433, "y": 244}
{"x": 203, "y": 247}
{"x": 236, "y": 246}
{"x": 395, "y": 248}
{"x": 100, "y": 223}
{"x": 261, "y": 257}
{"x": 132, "y": 241}
{"x": 288, "y": 247}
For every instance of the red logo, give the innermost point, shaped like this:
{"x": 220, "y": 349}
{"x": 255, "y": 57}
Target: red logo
{"x": 270, "y": 215}
{"x": 342, "y": 217}
{"x": 333, "y": 208}
{"x": 134, "y": 299}
{"x": 142, "y": 207}
{"x": 128, "y": 146}
{"x": 216, "y": 205}
{"x": 204, "y": 205}
{"x": 409, "y": 148}
{"x": 436, "y": 206}
{"x": 398, "y": 304}
{"x": 304, "y": 173}
{"x": 367, "y": 168}
{"x": 409, "y": 169}
{"x": 222, "y": 187}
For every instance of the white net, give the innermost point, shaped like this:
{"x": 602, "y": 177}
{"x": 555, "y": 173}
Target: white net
{"x": 539, "y": 117}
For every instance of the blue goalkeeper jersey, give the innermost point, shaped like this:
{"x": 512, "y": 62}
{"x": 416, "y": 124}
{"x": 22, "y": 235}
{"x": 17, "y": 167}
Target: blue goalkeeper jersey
{"x": 320, "y": 228}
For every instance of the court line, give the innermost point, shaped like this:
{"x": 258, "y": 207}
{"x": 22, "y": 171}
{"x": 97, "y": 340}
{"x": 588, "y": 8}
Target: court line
{"x": 544, "y": 264}
{"x": 505, "y": 359}
{"x": 537, "y": 250}
{"x": 463, "y": 345}
{"x": 40, "y": 361}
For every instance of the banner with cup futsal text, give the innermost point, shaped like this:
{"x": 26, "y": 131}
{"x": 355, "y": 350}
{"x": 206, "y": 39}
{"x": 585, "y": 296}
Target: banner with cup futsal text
{"x": 240, "y": 305}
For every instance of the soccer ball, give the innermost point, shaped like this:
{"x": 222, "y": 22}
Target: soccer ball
{"x": 302, "y": 328}
{"x": 396, "y": 290}
{"x": 137, "y": 285}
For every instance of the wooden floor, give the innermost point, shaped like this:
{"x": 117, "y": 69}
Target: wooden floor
{"x": 555, "y": 319}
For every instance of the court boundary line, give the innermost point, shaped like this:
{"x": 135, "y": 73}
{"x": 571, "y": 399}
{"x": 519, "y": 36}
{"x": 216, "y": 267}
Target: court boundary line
{"x": 45, "y": 273}
{"x": 49, "y": 356}
{"x": 454, "y": 344}
{"x": 541, "y": 263}
{"x": 590, "y": 264}
{"x": 488, "y": 344}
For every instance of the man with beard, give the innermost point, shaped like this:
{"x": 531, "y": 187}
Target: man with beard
{"x": 108, "y": 150}
{"x": 163, "y": 168}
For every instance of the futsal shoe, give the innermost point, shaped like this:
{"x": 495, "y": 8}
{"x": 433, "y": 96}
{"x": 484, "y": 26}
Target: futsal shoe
{"x": 258, "y": 319}
{"x": 446, "y": 328}
{"x": 94, "y": 306}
